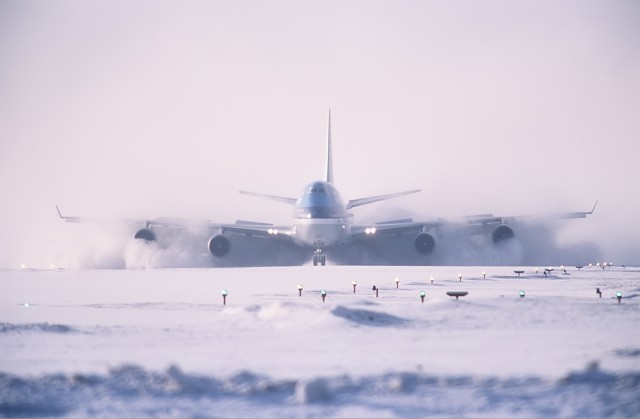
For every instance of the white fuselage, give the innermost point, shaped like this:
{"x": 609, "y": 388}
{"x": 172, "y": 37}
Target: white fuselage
{"x": 320, "y": 218}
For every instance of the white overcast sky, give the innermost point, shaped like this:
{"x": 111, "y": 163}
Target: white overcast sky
{"x": 168, "y": 108}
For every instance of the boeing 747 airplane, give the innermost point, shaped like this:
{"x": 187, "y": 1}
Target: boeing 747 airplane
{"x": 323, "y": 223}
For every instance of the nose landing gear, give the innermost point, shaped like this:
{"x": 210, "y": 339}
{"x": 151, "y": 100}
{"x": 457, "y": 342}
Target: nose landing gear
{"x": 318, "y": 257}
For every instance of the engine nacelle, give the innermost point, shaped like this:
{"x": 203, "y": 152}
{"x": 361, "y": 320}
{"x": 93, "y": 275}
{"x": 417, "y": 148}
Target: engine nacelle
{"x": 502, "y": 233}
{"x": 425, "y": 243}
{"x": 219, "y": 246}
{"x": 146, "y": 234}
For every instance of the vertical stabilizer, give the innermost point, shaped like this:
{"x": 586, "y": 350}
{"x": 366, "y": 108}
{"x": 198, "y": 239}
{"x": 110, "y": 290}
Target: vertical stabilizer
{"x": 329, "y": 167}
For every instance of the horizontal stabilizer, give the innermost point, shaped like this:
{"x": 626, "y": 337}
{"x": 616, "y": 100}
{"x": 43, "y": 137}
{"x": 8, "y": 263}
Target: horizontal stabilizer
{"x": 290, "y": 201}
{"x": 371, "y": 199}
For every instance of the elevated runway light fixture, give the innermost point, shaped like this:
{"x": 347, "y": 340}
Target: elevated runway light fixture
{"x": 354, "y": 283}
{"x": 599, "y": 292}
{"x": 299, "y": 290}
{"x": 323, "y": 293}
{"x": 26, "y": 305}
{"x": 376, "y": 290}
{"x": 460, "y": 277}
{"x": 422, "y": 294}
{"x": 432, "y": 279}
{"x": 224, "y": 296}
{"x": 521, "y": 293}
{"x": 397, "y": 281}
{"x": 484, "y": 275}
{"x": 619, "y": 296}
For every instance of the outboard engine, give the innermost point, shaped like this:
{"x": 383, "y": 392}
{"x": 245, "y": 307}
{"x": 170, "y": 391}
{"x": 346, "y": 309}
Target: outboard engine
{"x": 219, "y": 246}
{"x": 502, "y": 233}
{"x": 145, "y": 234}
{"x": 425, "y": 243}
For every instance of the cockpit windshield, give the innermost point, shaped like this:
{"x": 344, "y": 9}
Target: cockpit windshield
{"x": 319, "y": 200}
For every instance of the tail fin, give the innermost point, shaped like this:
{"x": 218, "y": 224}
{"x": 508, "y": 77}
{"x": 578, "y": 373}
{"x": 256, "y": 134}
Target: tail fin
{"x": 329, "y": 164}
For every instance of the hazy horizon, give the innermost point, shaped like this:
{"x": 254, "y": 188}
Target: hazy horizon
{"x": 148, "y": 109}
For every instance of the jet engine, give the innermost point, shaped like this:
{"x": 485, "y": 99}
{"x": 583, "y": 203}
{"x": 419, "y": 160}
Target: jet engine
{"x": 425, "y": 243}
{"x": 502, "y": 233}
{"x": 219, "y": 246}
{"x": 145, "y": 234}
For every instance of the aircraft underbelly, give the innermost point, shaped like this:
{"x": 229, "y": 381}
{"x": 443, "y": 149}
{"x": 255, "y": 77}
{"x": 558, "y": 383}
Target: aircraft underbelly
{"x": 327, "y": 231}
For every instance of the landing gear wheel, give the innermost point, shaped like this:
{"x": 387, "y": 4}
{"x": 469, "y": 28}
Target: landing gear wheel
{"x": 319, "y": 260}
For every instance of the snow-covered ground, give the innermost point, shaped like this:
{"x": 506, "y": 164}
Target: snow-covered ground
{"x": 160, "y": 342}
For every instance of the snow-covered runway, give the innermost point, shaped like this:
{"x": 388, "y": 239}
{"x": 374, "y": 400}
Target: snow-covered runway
{"x": 162, "y": 343}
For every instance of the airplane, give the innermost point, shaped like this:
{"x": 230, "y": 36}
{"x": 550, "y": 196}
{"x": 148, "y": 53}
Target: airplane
{"x": 322, "y": 222}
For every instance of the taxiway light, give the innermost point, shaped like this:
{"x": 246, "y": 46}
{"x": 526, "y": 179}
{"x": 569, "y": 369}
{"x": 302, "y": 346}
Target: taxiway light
{"x": 619, "y": 296}
{"x": 224, "y": 293}
{"x": 397, "y": 281}
{"x": 354, "y": 283}
{"x": 521, "y": 293}
{"x": 422, "y": 294}
{"x": 299, "y": 290}
{"x": 323, "y": 293}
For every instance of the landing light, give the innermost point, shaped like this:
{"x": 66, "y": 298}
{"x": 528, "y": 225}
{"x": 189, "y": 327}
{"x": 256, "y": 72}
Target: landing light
{"x": 370, "y": 230}
{"x": 273, "y": 231}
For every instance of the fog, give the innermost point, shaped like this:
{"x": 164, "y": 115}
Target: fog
{"x": 139, "y": 110}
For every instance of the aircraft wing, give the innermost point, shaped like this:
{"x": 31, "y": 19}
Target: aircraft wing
{"x": 482, "y": 219}
{"x": 239, "y": 227}
{"x": 388, "y": 228}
